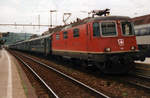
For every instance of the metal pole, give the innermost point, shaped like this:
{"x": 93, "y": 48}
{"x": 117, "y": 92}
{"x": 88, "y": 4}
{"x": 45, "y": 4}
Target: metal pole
{"x": 39, "y": 21}
{"x": 15, "y": 26}
{"x": 25, "y": 36}
{"x": 51, "y": 11}
{"x": 56, "y": 18}
{"x": 50, "y": 18}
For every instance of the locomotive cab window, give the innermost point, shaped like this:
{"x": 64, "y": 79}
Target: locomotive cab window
{"x": 96, "y": 29}
{"x": 127, "y": 28}
{"x": 76, "y": 32}
{"x": 65, "y": 35}
{"x": 108, "y": 29}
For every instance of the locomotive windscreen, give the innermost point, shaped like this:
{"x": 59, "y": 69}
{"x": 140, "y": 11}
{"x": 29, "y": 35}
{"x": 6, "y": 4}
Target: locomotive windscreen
{"x": 108, "y": 28}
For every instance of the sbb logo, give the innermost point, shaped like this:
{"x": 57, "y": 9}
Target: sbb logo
{"x": 121, "y": 42}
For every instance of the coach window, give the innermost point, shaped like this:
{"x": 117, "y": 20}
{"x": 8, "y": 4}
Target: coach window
{"x": 76, "y": 32}
{"x": 148, "y": 31}
{"x": 42, "y": 41}
{"x": 65, "y": 35}
{"x": 127, "y": 28}
{"x": 144, "y": 31}
{"x": 96, "y": 29}
{"x": 108, "y": 29}
{"x": 57, "y": 36}
{"x": 136, "y": 32}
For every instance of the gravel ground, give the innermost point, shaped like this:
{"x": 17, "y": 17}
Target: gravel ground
{"x": 101, "y": 83}
{"x": 55, "y": 81}
{"x": 143, "y": 69}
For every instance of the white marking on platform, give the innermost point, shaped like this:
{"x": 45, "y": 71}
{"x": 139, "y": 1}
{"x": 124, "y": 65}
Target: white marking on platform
{"x": 9, "y": 86}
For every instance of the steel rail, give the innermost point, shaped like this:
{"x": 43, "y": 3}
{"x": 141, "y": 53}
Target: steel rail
{"x": 141, "y": 77}
{"x": 71, "y": 78}
{"x": 139, "y": 85}
{"x": 46, "y": 85}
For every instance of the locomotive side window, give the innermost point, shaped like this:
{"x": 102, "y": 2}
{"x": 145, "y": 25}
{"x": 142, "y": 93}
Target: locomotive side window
{"x": 127, "y": 28}
{"x": 96, "y": 29}
{"x": 76, "y": 32}
{"x": 57, "y": 36}
{"x": 65, "y": 35}
{"x": 108, "y": 28}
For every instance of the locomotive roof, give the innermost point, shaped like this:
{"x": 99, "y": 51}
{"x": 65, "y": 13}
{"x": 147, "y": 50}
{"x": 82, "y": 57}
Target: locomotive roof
{"x": 109, "y": 18}
{"x": 41, "y": 37}
{"x": 86, "y": 20}
{"x": 141, "y": 20}
{"x": 89, "y": 19}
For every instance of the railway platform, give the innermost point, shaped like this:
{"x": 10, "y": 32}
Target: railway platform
{"x": 147, "y": 61}
{"x": 11, "y": 84}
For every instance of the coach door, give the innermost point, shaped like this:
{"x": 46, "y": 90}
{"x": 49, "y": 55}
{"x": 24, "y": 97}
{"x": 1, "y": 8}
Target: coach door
{"x": 65, "y": 37}
{"x": 47, "y": 46}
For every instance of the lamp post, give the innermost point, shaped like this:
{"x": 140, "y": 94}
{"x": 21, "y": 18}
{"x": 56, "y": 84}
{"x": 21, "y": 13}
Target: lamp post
{"x": 39, "y": 21}
{"x": 51, "y": 11}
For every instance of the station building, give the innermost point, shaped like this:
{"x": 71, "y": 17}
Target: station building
{"x": 142, "y": 25}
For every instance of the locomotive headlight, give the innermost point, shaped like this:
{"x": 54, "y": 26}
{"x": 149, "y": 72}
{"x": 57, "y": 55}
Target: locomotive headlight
{"x": 133, "y": 47}
{"x": 107, "y": 49}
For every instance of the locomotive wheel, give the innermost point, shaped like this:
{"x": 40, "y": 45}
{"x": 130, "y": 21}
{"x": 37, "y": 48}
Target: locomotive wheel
{"x": 105, "y": 67}
{"x": 115, "y": 68}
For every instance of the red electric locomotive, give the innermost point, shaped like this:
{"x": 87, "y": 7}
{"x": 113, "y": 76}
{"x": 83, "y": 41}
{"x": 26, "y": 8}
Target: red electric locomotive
{"x": 106, "y": 41}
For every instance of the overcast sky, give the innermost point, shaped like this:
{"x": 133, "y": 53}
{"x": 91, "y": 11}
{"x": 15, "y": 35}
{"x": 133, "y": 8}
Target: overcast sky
{"x": 27, "y": 11}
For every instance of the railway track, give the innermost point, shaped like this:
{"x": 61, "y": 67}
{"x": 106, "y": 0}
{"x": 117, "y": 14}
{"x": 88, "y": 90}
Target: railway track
{"x": 51, "y": 93}
{"x": 138, "y": 78}
{"x": 141, "y": 79}
{"x": 114, "y": 86}
{"x": 36, "y": 67}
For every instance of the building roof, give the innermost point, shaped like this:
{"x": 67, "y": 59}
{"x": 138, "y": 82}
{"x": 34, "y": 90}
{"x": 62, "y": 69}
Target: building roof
{"x": 141, "y": 20}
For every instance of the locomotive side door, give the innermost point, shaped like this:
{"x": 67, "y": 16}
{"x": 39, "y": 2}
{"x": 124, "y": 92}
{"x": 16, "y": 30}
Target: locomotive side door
{"x": 88, "y": 37}
{"x": 65, "y": 39}
{"x": 93, "y": 37}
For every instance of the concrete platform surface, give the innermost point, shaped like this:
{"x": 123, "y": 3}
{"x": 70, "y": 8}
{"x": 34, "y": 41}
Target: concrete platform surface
{"x": 10, "y": 82}
{"x": 147, "y": 61}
